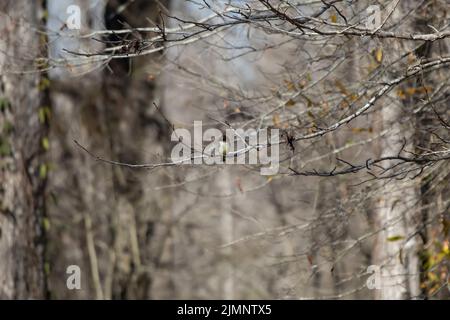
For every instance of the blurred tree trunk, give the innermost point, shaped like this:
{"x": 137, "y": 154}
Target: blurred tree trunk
{"x": 227, "y": 231}
{"x": 395, "y": 252}
{"x": 400, "y": 217}
{"x": 110, "y": 112}
{"x": 130, "y": 90}
{"x": 23, "y": 143}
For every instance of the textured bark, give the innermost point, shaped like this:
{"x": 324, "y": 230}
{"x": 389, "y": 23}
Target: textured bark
{"x": 22, "y": 180}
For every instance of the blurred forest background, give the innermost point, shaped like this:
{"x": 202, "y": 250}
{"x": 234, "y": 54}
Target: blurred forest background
{"x": 358, "y": 89}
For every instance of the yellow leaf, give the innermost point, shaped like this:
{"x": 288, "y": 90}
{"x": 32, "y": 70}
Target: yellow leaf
{"x": 290, "y": 103}
{"x": 445, "y": 248}
{"x": 410, "y": 91}
{"x": 358, "y": 130}
{"x": 425, "y": 89}
{"x": 432, "y": 276}
{"x": 276, "y": 120}
{"x": 45, "y": 14}
{"x": 333, "y": 18}
{"x": 401, "y": 94}
{"x": 290, "y": 85}
{"x": 379, "y": 55}
{"x": 341, "y": 87}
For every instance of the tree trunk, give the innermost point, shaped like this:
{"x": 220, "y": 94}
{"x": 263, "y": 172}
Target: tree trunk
{"x": 398, "y": 216}
{"x": 23, "y": 144}
{"x": 111, "y": 113}
{"x": 395, "y": 252}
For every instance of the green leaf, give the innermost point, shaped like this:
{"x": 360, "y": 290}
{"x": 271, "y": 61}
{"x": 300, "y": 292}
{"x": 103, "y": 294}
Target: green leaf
{"x": 44, "y": 114}
{"x": 4, "y": 104}
{"x": 7, "y": 127}
{"x": 46, "y": 224}
{"x": 44, "y": 84}
{"x": 47, "y": 268}
{"x": 45, "y": 143}
{"x": 5, "y": 148}
{"x": 43, "y": 170}
{"x": 41, "y": 63}
{"x": 395, "y": 238}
